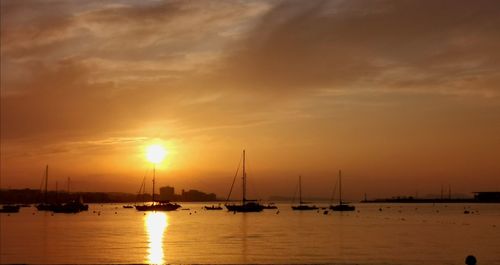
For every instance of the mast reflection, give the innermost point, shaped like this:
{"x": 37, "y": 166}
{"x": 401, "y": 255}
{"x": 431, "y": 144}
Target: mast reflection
{"x": 156, "y": 223}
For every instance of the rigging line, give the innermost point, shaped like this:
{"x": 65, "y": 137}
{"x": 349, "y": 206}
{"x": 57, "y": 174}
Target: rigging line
{"x": 143, "y": 181}
{"x": 295, "y": 192}
{"x": 253, "y": 190}
{"x": 41, "y": 185}
{"x": 234, "y": 179}
{"x": 333, "y": 192}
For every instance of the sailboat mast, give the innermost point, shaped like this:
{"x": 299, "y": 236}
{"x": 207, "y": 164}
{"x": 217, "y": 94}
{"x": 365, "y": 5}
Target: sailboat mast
{"x": 46, "y": 182}
{"x": 340, "y": 186}
{"x": 244, "y": 180}
{"x": 154, "y": 176}
{"x": 300, "y": 190}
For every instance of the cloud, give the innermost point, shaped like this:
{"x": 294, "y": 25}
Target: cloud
{"x": 306, "y": 76}
{"x": 442, "y": 46}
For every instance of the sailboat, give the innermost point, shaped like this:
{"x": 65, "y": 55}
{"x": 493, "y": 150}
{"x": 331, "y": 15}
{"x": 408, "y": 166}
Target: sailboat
{"x": 246, "y": 205}
{"x": 74, "y": 206}
{"x": 341, "y": 207}
{"x": 45, "y": 205}
{"x": 157, "y": 205}
{"x": 302, "y": 205}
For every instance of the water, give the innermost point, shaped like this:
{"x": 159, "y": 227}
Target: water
{"x": 399, "y": 234}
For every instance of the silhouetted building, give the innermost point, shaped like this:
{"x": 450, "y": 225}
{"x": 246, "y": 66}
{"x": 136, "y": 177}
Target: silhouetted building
{"x": 487, "y": 196}
{"x": 167, "y": 193}
{"x": 196, "y": 195}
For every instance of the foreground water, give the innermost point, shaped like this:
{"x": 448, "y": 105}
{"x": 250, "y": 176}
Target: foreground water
{"x": 398, "y": 234}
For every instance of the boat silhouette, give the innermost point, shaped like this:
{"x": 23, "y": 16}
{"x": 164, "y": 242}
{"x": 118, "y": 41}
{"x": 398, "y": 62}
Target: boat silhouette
{"x": 45, "y": 205}
{"x": 157, "y": 205}
{"x": 246, "y": 205}
{"x": 213, "y": 208}
{"x": 10, "y": 209}
{"x": 341, "y": 207}
{"x": 303, "y": 206}
{"x": 75, "y": 206}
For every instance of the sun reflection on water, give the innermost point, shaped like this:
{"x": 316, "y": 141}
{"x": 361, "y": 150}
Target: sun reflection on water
{"x": 156, "y": 223}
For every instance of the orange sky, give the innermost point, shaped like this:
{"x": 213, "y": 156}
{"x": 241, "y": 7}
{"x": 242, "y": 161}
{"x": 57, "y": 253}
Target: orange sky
{"x": 403, "y": 96}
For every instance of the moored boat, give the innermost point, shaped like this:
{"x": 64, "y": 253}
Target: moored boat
{"x": 341, "y": 207}
{"x": 246, "y": 205}
{"x": 75, "y": 206}
{"x": 157, "y": 205}
{"x": 213, "y": 208}
{"x": 9, "y": 209}
{"x": 45, "y": 205}
{"x": 303, "y": 206}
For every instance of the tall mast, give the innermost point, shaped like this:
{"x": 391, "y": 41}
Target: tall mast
{"x": 154, "y": 176}
{"x": 46, "y": 181}
{"x": 244, "y": 179}
{"x": 300, "y": 190}
{"x": 68, "y": 184}
{"x": 340, "y": 186}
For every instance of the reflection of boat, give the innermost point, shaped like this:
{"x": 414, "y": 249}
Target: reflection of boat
{"x": 302, "y": 205}
{"x": 157, "y": 205}
{"x": 10, "y": 209}
{"x": 270, "y": 206}
{"x": 213, "y": 208}
{"x": 128, "y": 206}
{"x": 246, "y": 205}
{"x": 341, "y": 207}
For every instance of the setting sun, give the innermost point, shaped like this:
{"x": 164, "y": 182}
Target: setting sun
{"x": 156, "y": 153}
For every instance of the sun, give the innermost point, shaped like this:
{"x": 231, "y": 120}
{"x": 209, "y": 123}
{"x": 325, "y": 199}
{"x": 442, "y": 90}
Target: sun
{"x": 156, "y": 153}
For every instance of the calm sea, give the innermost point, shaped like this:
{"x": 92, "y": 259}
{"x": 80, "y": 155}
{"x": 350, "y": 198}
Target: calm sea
{"x": 398, "y": 234}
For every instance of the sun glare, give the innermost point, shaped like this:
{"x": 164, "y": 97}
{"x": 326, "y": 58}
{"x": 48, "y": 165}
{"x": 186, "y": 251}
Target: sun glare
{"x": 156, "y": 224}
{"x": 156, "y": 153}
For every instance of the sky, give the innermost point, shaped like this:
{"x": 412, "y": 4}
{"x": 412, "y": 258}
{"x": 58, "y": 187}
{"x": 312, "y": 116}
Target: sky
{"x": 403, "y": 96}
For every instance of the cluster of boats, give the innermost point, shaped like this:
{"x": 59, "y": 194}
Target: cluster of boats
{"x": 69, "y": 207}
{"x": 246, "y": 205}
{"x": 75, "y": 206}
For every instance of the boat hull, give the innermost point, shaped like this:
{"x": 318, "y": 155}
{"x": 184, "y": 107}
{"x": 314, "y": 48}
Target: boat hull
{"x": 9, "y": 209}
{"x": 245, "y": 208}
{"x": 342, "y": 208}
{"x": 71, "y": 207}
{"x": 158, "y": 207}
{"x": 213, "y": 208}
{"x": 304, "y": 208}
{"x": 46, "y": 206}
